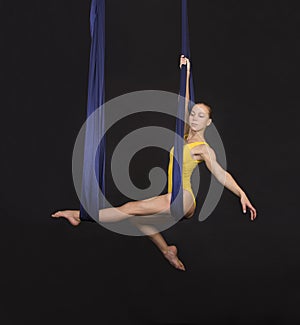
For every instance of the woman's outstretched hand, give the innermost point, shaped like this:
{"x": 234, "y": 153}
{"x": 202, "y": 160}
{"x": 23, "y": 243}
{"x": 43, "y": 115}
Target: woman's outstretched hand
{"x": 246, "y": 204}
{"x": 185, "y": 61}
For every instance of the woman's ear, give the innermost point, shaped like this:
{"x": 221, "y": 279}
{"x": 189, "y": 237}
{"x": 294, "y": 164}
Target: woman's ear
{"x": 209, "y": 122}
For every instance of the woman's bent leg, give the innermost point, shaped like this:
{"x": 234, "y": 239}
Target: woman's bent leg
{"x": 169, "y": 252}
{"x": 154, "y": 235}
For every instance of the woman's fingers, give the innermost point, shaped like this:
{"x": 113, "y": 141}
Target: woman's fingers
{"x": 252, "y": 212}
{"x": 244, "y": 207}
{"x": 184, "y": 61}
{"x": 246, "y": 204}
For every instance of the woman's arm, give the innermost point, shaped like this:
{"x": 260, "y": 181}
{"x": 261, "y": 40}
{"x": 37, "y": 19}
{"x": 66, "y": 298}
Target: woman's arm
{"x": 186, "y": 61}
{"x": 209, "y": 156}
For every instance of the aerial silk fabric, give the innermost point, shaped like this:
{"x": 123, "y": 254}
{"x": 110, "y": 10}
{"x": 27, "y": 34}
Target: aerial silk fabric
{"x": 177, "y": 190}
{"x": 94, "y": 162}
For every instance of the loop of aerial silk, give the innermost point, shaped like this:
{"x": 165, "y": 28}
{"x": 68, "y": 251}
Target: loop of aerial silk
{"x": 94, "y": 163}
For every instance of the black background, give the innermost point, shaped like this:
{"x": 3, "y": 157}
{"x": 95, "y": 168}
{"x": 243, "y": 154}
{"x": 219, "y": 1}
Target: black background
{"x": 245, "y": 60}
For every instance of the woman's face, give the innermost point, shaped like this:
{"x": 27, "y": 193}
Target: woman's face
{"x": 199, "y": 118}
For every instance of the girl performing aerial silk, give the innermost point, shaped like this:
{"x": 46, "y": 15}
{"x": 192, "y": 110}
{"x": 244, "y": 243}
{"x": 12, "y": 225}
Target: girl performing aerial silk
{"x": 195, "y": 150}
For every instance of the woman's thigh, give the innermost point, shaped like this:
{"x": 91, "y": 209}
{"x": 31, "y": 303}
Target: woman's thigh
{"x": 158, "y": 205}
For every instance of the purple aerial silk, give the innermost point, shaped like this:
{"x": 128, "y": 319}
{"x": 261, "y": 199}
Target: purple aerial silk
{"x": 177, "y": 190}
{"x": 94, "y": 163}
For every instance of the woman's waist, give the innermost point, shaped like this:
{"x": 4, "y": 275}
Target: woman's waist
{"x": 186, "y": 184}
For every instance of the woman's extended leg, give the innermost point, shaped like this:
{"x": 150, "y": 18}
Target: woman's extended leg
{"x": 158, "y": 204}
{"x": 155, "y": 205}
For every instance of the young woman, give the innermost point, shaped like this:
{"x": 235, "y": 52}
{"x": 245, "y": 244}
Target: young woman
{"x": 195, "y": 151}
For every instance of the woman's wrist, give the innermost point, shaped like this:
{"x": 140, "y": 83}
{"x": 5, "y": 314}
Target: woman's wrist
{"x": 242, "y": 194}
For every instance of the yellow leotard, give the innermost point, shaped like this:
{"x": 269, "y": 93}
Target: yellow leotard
{"x": 189, "y": 165}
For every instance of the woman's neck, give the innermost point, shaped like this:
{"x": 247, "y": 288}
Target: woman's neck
{"x": 195, "y": 135}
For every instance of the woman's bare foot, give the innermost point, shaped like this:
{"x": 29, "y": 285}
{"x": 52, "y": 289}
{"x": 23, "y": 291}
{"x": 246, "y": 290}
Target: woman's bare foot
{"x": 171, "y": 256}
{"x": 71, "y": 215}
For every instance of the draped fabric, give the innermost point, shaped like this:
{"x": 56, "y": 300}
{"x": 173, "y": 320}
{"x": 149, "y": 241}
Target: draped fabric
{"x": 94, "y": 162}
{"x": 177, "y": 190}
